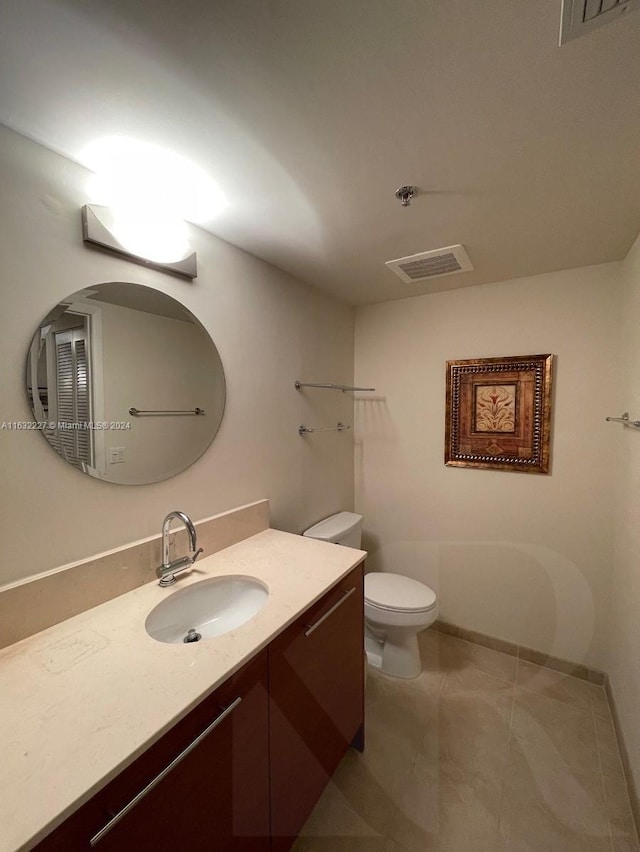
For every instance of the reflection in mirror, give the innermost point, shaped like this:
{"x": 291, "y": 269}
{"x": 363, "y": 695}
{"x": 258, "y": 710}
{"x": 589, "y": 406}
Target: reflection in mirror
{"x": 116, "y": 347}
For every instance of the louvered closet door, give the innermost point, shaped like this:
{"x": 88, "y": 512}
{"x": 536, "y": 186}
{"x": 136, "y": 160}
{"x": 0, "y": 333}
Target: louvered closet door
{"x": 74, "y": 397}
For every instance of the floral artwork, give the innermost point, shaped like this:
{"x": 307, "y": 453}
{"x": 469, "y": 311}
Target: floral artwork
{"x": 499, "y": 413}
{"x": 495, "y": 408}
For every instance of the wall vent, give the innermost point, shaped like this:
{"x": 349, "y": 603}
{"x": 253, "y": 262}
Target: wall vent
{"x": 579, "y": 17}
{"x": 431, "y": 264}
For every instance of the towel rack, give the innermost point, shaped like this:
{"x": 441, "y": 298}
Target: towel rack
{"x": 136, "y": 412}
{"x": 305, "y": 430}
{"x": 329, "y": 386}
{"x": 635, "y": 424}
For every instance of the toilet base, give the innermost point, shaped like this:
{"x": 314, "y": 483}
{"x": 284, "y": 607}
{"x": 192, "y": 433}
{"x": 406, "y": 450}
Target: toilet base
{"x": 397, "y": 655}
{"x": 373, "y": 651}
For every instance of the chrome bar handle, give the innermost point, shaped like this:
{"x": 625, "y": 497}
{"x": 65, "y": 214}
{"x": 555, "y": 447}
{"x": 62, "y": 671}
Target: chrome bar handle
{"x": 329, "y": 612}
{"x": 137, "y": 412}
{"x": 150, "y": 786}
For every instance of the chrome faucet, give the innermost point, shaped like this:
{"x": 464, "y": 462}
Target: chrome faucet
{"x": 168, "y": 570}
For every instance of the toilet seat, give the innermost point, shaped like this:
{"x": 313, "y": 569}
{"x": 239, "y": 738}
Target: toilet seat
{"x": 396, "y": 593}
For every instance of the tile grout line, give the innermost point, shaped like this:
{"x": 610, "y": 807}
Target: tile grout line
{"x": 506, "y": 771}
{"x": 602, "y": 784}
{"x": 443, "y": 680}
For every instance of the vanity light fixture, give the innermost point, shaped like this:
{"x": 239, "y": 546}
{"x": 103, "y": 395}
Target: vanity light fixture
{"x": 146, "y": 195}
{"x": 97, "y": 231}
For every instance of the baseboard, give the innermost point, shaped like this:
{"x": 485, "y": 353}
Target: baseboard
{"x": 634, "y": 799}
{"x": 522, "y": 652}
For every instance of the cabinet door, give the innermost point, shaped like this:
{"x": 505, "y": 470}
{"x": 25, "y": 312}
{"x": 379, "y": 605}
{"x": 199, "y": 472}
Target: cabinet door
{"x": 204, "y": 786}
{"x": 316, "y": 694}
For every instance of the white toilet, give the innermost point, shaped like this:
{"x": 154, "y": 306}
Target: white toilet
{"x": 396, "y": 608}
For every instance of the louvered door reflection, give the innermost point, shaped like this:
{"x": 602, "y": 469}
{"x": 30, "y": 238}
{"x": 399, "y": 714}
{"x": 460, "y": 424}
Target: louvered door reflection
{"x": 73, "y": 397}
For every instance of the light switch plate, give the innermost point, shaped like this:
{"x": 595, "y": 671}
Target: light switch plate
{"x": 117, "y": 455}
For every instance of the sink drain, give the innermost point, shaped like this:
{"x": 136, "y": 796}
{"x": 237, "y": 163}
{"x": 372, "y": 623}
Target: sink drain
{"x": 192, "y": 636}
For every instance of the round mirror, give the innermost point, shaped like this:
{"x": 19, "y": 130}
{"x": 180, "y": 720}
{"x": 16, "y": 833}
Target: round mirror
{"x": 125, "y": 383}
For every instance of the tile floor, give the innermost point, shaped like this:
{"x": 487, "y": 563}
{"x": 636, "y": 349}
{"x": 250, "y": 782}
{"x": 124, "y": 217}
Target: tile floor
{"x": 481, "y": 753}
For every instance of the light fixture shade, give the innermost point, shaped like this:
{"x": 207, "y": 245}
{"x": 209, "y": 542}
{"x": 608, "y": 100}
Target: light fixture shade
{"x": 97, "y": 233}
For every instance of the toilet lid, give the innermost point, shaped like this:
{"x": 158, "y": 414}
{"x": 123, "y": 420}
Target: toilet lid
{"x": 394, "y": 591}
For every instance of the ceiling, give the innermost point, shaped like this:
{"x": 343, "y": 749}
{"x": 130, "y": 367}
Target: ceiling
{"x": 310, "y": 114}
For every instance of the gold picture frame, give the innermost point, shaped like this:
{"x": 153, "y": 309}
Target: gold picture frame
{"x": 498, "y": 413}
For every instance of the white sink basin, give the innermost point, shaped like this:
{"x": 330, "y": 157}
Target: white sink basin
{"x": 208, "y": 608}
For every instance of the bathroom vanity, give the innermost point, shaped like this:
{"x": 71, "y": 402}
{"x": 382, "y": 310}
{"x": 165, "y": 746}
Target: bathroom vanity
{"x": 126, "y": 743}
{"x": 215, "y": 797}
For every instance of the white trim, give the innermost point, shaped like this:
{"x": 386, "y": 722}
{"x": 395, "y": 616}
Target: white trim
{"x": 93, "y": 313}
{"x": 575, "y": 20}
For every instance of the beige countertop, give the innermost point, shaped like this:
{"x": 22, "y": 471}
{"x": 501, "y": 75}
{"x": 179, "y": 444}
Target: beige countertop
{"x": 81, "y": 700}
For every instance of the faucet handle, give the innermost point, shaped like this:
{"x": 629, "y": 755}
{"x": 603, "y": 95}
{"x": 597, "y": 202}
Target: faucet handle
{"x": 195, "y": 555}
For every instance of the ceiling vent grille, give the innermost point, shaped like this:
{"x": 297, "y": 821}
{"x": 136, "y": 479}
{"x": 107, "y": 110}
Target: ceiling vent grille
{"x": 579, "y": 17}
{"x": 431, "y": 264}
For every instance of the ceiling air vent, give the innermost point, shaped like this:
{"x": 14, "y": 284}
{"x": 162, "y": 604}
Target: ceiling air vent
{"x": 579, "y": 17}
{"x": 431, "y": 264}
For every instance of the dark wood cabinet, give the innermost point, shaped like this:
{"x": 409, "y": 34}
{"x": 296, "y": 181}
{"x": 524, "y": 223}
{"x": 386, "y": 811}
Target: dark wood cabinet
{"x": 203, "y": 786}
{"x": 316, "y": 703}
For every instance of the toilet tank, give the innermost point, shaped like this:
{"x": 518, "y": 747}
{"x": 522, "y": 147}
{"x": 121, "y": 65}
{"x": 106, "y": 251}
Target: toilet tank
{"x": 344, "y": 528}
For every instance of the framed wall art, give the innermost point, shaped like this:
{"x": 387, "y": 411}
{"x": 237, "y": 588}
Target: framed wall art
{"x": 498, "y": 413}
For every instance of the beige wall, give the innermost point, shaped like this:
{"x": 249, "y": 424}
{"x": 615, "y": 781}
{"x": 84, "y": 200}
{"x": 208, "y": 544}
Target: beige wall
{"x": 624, "y": 652}
{"x": 269, "y": 330}
{"x": 519, "y": 556}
